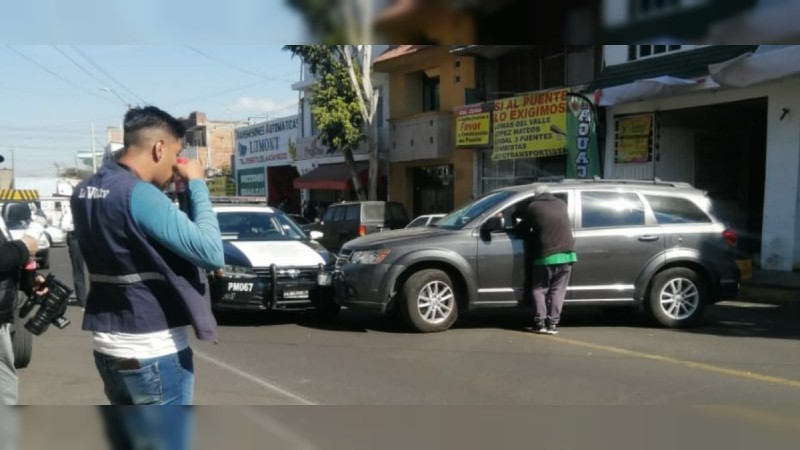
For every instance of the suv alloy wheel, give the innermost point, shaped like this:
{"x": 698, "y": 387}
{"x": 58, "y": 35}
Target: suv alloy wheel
{"x": 678, "y": 297}
{"x": 428, "y": 301}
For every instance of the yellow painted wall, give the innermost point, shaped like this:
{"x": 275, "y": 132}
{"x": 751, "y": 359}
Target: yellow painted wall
{"x": 405, "y": 90}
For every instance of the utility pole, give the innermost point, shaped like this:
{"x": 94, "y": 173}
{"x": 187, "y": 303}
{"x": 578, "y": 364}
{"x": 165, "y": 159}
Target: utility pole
{"x": 94, "y": 153}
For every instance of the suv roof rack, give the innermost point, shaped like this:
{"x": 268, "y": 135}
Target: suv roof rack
{"x": 654, "y": 182}
{"x": 231, "y": 199}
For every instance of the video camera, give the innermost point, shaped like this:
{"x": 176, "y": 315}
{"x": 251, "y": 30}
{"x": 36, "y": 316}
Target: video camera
{"x": 52, "y": 309}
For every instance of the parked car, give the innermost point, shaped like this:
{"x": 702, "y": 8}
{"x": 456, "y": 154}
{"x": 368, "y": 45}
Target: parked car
{"x": 656, "y": 246}
{"x": 349, "y": 220}
{"x": 270, "y": 264}
{"x": 17, "y": 216}
{"x": 425, "y": 220}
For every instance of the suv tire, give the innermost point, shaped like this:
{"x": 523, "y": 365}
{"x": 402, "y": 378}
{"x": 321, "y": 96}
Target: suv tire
{"x": 428, "y": 301}
{"x": 678, "y": 297}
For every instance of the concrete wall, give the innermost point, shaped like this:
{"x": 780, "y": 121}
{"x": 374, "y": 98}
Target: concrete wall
{"x": 780, "y": 248}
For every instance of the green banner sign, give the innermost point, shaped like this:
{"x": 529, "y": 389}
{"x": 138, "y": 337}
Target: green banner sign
{"x": 252, "y": 182}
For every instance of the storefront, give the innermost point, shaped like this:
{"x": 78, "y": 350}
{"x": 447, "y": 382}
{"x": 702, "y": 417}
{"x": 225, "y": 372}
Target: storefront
{"x": 263, "y": 162}
{"x": 734, "y": 135}
{"x": 522, "y": 139}
{"x": 325, "y": 178}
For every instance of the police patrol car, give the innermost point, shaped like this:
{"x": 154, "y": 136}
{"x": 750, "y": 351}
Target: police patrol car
{"x": 270, "y": 263}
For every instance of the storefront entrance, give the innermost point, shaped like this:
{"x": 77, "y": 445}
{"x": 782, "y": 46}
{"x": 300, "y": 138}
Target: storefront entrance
{"x": 433, "y": 189}
{"x": 719, "y": 148}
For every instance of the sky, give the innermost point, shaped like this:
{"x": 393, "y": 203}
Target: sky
{"x": 63, "y": 69}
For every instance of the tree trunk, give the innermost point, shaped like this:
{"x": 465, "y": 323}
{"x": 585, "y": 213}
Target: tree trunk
{"x": 354, "y": 175}
{"x": 373, "y": 164}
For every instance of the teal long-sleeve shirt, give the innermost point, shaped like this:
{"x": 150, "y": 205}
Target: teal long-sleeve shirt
{"x": 196, "y": 239}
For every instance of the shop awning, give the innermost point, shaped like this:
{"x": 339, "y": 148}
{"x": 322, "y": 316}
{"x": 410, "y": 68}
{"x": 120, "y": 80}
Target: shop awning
{"x": 641, "y": 90}
{"x": 333, "y": 177}
{"x": 768, "y": 63}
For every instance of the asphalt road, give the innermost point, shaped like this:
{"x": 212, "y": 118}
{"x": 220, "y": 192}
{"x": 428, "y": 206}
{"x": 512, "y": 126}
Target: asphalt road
{"x": 743, "y": 360}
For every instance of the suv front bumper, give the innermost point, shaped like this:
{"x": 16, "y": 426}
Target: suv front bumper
{"x": 365, "y": 286}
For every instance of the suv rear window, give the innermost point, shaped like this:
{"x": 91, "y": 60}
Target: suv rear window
{"x": 673, "y": 210}
{"x": 611, "y": 209}
{"x": 373, "y": 211}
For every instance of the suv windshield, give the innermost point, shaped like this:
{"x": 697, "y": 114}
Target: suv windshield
{"x": 466, "y": 214}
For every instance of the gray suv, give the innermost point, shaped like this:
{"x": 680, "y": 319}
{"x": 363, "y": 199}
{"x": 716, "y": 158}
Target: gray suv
{"x": 651, "y": 245}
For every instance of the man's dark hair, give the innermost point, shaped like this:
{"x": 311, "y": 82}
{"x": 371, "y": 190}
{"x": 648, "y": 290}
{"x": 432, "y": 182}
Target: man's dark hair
{"x": 138, "y": 119}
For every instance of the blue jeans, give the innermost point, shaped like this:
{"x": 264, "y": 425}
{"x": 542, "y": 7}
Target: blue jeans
{"x": 166, "y": 380}
{"x": 167, "y": 427}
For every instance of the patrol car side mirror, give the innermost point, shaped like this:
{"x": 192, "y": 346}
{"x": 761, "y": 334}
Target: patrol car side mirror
{"x": 316, "y": 235}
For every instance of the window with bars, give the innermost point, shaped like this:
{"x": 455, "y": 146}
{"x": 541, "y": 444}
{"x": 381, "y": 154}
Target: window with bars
{"x": 644, "y": 51}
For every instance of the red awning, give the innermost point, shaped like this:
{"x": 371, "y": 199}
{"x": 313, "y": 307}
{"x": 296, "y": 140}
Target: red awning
{"x": 331, "y": 177}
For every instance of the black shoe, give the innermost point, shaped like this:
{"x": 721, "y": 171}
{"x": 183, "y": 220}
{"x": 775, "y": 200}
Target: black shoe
{"x": 551, "y": 329}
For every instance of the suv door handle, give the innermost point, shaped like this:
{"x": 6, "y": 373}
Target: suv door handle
{"x": 648, "y": 238}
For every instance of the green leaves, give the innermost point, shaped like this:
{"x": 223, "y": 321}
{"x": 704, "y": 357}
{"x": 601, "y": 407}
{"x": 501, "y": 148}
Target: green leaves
{"x": 334, "y": 105}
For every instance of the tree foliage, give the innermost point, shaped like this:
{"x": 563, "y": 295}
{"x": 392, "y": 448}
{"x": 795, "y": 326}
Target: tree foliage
{"x": 334, "y": 103}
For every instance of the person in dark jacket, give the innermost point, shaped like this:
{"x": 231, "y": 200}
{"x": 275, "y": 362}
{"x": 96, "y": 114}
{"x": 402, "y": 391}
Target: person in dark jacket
{"x": 552, "y": 251}
{"x": 14, "y": 254}
{"x": 146, "y": 261}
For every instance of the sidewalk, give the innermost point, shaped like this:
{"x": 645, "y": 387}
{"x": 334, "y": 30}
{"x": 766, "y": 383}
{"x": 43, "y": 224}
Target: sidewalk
{"x": 773, "y": 287}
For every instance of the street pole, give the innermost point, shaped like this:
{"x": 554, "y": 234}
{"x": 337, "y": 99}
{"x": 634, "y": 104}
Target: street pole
{"x": 13, "y": 171}
{"x": 94, "y": 153}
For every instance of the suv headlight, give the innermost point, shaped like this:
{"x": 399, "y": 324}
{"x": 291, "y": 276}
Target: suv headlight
{"x": 369, "y": 256}
{"x": 230, "y": 271}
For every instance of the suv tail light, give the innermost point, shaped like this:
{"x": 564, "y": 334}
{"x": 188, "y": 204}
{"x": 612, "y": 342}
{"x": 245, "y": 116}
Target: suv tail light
{"x": 362, "y": 230}
{"x": 730, "y": 237}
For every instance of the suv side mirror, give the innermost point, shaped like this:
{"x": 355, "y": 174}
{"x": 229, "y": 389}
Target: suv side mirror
{"x": 316, "y": 235}
{"x": 492, "y": 224}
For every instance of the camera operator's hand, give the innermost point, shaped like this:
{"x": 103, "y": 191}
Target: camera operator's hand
{"x": 31, "y": 243}
{"x": 40, "y": 289}
{"x": 190, "y": 170}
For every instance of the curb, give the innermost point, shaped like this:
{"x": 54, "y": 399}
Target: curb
{"x": 769, "y": 294}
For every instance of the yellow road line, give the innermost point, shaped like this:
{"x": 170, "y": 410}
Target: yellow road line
{"x": 754, "y": 376}
{"x": 753, "y": 415}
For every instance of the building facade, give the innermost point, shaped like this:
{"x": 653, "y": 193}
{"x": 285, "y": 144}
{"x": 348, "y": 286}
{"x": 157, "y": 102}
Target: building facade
{"x": 324, "y": 177}
{"x": 504, "y": 73}
{"x": 426, "y": 82}
{"x": 724, "y": 118}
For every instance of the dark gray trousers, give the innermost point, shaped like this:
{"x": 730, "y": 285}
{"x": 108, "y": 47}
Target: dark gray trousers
{"x": 78, "y": 269}
{"x": 549, "y": 290}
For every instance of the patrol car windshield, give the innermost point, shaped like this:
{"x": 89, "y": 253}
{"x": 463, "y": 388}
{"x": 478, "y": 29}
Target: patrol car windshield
{"x": 258, "y": 226}
{"x": 461, "y": 217}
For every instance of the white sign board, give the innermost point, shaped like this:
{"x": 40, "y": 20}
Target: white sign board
{"x": 266, "y": 144}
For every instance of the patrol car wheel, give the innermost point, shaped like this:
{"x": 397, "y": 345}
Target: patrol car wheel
{"x": 324, "y": 304}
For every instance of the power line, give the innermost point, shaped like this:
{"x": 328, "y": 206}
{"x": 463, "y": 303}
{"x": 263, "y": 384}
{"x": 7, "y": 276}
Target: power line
{"x": 110, "y": 77}
{"x": 240, "y": 69}
{"x": 102, "y": 82}
{"x": 57, "y": 75}
{"x": 101, "y": 119}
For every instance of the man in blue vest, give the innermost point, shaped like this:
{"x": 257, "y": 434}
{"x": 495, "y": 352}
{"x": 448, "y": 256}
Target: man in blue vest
{"x": 145, "y": 260}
